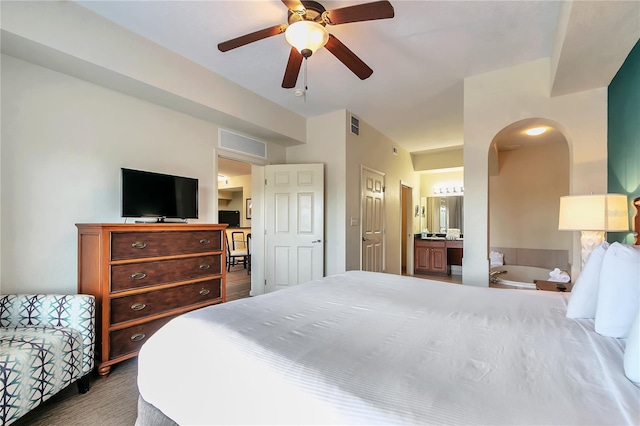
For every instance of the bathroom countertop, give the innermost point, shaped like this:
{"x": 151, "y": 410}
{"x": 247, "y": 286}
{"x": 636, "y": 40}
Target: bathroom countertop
{"x": 419, "y": 237}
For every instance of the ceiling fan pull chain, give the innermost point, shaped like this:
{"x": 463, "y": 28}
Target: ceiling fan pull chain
{"x": 305, "y": 81}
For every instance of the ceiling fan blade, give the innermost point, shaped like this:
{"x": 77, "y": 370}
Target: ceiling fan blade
{"x": 295, "y": 5}
{"x": 250, "y": 38}
{"x": 360, "y": 12}
{"x": 347, "y": 57}
{"x": 293, "y": 69}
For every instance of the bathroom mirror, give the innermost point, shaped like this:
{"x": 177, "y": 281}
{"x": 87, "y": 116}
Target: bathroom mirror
{"x": 443, "y": 213}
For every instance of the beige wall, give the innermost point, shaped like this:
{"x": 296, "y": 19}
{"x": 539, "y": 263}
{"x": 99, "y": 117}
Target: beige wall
{"x": 428, "y": 181}
{"x": 438, "y": 159}
{"x": 343, "y": 154}
{"x": 373, "y": 150}
{"x": 69, "y": 38}
{"x": 63, "y": 143}
{"x": 494, "y": 100}
{"x": 115, "y": 99}
{"x": 66, "y": 169}
{"x": 524, "y": 198}
{"x": 238, "y": 200}
{"x": 326, "y": 144}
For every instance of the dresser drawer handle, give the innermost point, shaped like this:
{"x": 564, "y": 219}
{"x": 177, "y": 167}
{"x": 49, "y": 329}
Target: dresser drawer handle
{"x": 139, "y": 245}
{"x": 204, "y": 292}
{"x": 138, "y": 306}
{"x": 138, "y": 276}
{"x": 205, "y": 241}
{"x": 138, "y": 336}
{"x": 205, "y": 266}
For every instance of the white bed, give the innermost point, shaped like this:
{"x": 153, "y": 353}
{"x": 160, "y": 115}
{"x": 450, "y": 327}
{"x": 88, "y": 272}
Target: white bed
{"x": 367, "y": 348}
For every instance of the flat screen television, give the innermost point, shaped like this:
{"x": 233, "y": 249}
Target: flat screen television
{"x": 147, "y": 194}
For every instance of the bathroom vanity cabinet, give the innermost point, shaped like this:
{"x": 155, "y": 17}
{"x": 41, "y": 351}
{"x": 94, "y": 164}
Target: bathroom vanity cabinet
{"x": 435, "y": 256}
{"x": 430, "y": 256}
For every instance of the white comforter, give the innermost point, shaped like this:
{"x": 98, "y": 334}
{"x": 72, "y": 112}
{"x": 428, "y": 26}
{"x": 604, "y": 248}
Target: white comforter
{"x": 375, "y": 348}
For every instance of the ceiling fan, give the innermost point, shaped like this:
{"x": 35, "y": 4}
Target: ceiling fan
{"x": 306, "y": 33}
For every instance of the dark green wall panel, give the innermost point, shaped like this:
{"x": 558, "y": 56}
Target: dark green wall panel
{"x": 623, "y": 145}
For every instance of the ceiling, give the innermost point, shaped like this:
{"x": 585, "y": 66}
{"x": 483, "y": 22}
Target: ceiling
{"x": 420, "y": 57}
{"x": 231, "y": 168}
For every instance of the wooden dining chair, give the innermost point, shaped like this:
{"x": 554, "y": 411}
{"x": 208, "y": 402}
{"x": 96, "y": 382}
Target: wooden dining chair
{"x": 237, "y": 240}
{"x": 235, "y": 256}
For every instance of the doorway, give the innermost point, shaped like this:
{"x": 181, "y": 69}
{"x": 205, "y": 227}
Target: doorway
{"x": 527, "y": 177}
{"x": 234, "y": 189}
{"x": 234, "y": 199}
{"x": 406, "y": 242}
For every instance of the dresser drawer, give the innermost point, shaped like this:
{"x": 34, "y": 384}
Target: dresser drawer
{"x": 145, "y": 274}
{"x": 140, "y": 245}
{"x": 158, "y": 301}
{"x": 131, "y": 339}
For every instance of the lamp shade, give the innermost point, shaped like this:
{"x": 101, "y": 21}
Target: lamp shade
{"x": 603, "y": 212}
{"x": 307, "y": 35}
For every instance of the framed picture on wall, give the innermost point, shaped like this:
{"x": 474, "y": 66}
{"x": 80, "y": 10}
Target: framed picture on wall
{"x": 247, "y": 208}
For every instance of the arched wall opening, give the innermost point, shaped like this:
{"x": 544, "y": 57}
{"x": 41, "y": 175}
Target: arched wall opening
{"x": 496, "y": 99}
{"x": 527, "y": 175}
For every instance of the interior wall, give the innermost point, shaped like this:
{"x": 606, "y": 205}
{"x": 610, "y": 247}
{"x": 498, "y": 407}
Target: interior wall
{"x": 431, "y": 180}
{"x": 64, "y": 141}
{"x": 374, "y": 150}
{"x": 624, "y": 137}
{"x": 326, "y": 144}
{"x": 524, "y": 198}
{"x": 494, "y": 100}
{"x": 238, "y": 200}
{"x": 69, "y": 38}
{"x": 63, "y": 144}
{"x": 438, "y": 159}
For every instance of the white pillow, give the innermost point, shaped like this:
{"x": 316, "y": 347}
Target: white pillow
{"x": 632, "y": 352}
{"x": 584, "y": 294}
{"x": 618, "y": 290}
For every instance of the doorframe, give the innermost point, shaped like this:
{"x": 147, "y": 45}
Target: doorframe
{"x": 384, "y": 216}
{"x": 258, "y": 279}
{"x": 406, "y": 212}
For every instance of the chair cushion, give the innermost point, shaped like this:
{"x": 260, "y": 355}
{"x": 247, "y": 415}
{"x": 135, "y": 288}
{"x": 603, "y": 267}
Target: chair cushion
{"x": 37, "y": 362}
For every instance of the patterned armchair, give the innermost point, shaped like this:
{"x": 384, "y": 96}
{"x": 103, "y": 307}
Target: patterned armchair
{"x": 47, "y": 342}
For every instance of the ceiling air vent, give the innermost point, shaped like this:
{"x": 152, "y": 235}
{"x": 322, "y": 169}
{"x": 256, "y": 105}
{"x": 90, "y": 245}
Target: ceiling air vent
{"x": 238, "y": 143}
{"x": 355, "y": 125}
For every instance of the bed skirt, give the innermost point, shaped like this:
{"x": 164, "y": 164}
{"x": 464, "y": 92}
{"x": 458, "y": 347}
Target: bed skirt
{"x": 148, "y": 415}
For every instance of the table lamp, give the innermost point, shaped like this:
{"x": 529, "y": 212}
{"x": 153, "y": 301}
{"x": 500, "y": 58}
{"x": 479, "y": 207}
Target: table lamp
{"x": 593, "y": 215}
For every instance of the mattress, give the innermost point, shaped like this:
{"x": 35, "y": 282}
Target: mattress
{"x": 372, "y": 348}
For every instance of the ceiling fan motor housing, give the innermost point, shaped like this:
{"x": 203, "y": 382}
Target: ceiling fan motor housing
{"x": 313, "y": 12}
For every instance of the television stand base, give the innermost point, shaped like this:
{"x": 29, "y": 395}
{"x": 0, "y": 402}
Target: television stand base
{"x": 162, "y": 220}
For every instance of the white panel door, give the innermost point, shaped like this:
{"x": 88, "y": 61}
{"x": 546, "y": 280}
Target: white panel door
{"x": 372, "y": 220}
{"x": 294, "y": 224}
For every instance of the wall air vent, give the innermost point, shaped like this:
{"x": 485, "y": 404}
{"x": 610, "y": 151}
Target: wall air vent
{"x": 238, "y": 143}
{"x": 355, "y": 125}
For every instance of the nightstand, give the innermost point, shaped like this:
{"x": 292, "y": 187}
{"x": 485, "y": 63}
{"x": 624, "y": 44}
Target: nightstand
{"x": 552, "y": 286}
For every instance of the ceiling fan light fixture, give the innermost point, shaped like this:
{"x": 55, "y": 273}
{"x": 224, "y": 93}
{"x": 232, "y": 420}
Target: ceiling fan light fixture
{"x": 306, "y": 36}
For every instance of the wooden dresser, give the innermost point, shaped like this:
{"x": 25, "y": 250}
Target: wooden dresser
{"x": 143, "y": 275}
